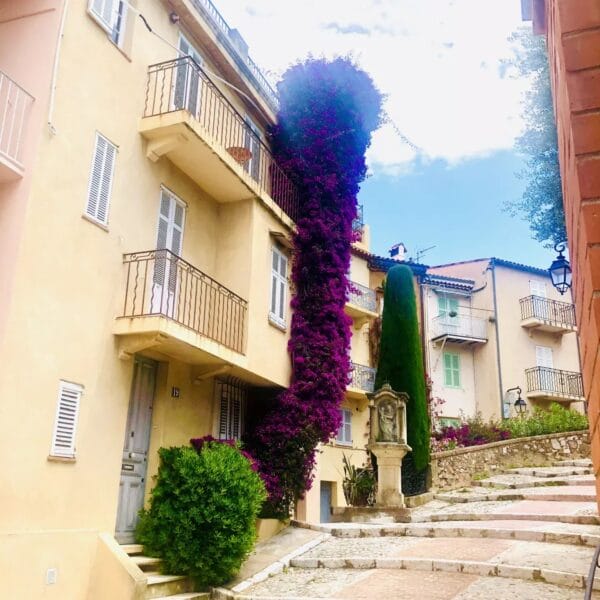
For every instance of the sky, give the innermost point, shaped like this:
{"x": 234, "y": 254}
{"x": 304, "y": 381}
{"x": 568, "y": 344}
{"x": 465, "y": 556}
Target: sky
{"x": 439, "y": 64}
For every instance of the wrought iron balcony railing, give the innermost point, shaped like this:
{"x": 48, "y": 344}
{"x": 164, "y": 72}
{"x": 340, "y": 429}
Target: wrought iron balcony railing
{"x": 358, "y": 223}
{"x": 208, "y": 9}
{"x": 363, "y": 377}
{"x": 181, "y": 84}
{"x": 567, "y": 384}
{"x": 362, "y": 296}
{"x": 160, "y": 283}
{"x": 562, "y": 313}
{"x": 460, "y": 326}
{"x": 15, "y": 106}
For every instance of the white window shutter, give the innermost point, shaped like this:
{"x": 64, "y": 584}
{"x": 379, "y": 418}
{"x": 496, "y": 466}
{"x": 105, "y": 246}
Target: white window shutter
{"x": 543, "y": 357}
{"x": 537, "y": 288}
{"x": 279, "y": 267}
{"x": 101, "y": 176}
{"x": 65, "y": 425}
{"x": 104, "y": 11}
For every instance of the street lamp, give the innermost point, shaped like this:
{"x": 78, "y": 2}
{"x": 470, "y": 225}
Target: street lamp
{"x": 560, "y": 270}
{"x": 520, "y": 404}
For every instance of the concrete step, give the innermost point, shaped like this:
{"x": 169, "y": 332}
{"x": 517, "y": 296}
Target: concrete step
{"x": 186, "y": 596}
{"x": 533, "y": 531}
{"x": 303, "y": 584}
{"x": 159, "y": 586}
{"x": 516, "y": 481}
{"x": 550, "y": 471}
{"x": 581, "y": 462}
{"x": 132, "y": 549}
{"x": 146, "y": 563}
{"x": 557, "y": 493}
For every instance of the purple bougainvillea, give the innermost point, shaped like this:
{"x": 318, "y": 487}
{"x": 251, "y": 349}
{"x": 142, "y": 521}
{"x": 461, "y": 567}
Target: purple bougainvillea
{"x": 329, "y": 110}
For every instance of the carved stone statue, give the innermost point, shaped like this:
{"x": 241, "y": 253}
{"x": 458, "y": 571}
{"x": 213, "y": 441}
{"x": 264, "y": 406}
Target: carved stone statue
{"x": 388, "y": 428}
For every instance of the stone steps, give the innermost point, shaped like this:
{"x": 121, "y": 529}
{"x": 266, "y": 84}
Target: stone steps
{"x": 548, "y": 532}
{"x": 159, "y": 585}
{"x": 560, "y": 471}
{"x": 554, "y": 493}
{"x": 388, "y": 584}
{"x": 516, "y": 482}
{"x": 581, "y": 462}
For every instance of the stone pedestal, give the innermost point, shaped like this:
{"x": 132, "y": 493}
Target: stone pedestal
{"x": 389, "y": 472}
{"x": 387, "y": 441}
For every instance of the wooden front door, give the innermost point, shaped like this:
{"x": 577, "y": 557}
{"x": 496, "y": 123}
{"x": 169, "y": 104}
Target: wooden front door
{"x": 135, "y": 449}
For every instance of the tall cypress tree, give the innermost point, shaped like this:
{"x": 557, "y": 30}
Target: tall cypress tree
{"x": 401, "y": 358}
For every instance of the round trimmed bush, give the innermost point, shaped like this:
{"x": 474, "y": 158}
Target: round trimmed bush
{"x": 203, "y": 508}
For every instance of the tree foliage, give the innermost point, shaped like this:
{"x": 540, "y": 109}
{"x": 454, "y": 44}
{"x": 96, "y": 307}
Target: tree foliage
{"x": 328, "y": 110}
{"x": 541, "y": 203}
{"x": 401, "y": 359}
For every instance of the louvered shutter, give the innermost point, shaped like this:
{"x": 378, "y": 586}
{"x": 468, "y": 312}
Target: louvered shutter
{"x": 224, "y": 412}
{"x": 236, "y": 417}
{"x": 278, "y": 285}
{"x": 104, "y": 10}
{"x": 537, "y": 288}
{"x": 101, "y": 177}
{"x": 65, "y": 425}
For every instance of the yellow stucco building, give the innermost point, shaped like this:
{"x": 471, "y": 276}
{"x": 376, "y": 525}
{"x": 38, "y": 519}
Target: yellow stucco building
{"x": 144, "y": 269}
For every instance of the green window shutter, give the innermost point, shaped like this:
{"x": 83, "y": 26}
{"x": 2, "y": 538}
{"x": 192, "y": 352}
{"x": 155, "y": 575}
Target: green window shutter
{"x": 453, "y": 305}
{"x": 447, "y": 369}
{"x": 442, "y": 306}
{"x": 456, "y": 370}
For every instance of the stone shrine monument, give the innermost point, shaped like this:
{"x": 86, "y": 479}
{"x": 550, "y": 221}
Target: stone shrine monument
{"x": 387, "y": 441}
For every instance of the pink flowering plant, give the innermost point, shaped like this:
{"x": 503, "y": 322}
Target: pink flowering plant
{"x": 328, "y": 111}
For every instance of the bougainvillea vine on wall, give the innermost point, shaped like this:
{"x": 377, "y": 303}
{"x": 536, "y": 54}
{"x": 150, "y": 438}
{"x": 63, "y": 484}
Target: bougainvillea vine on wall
{"x": 328, "y": 111}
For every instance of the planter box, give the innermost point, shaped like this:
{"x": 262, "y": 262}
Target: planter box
{"x": 267, "y": 528}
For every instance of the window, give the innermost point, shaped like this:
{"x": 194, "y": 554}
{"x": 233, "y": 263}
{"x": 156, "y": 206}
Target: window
{"x": 101, "y": 176}
{"x": 65, "y": 424}
{"x": 537, "y": 288}
{"x": 447, "y": 308}
{"x": 232, "y": 400}
{"x": 344, "y": 435}
{"x": 279, "y": 263}
{"x": 112, "y": 15}
{"x": 449, "y": 422}
{"x": 543, "y": 357}
{"x": 451, "y": 369}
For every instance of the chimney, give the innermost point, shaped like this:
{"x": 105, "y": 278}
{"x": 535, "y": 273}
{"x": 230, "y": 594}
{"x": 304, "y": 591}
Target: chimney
{"x": 398, "y": 252}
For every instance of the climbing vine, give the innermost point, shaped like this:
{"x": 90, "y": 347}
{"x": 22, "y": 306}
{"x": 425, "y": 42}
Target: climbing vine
{"x": 328, "y": 110}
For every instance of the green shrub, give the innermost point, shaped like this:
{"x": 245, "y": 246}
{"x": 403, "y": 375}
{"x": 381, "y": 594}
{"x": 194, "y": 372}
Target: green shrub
{"x": 202, "y": 515}
{"x": 544, "y": 421}
{"x": 401, "y": 359}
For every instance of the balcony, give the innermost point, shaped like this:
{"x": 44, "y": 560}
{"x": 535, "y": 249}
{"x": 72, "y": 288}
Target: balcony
{"x": 544, "y": 383}
{"x": 459, "y": 329}
{"x": 175, "y": 309}
{"x": 363, "y": 381}
{"x": 358, "y": 223}
{"x": 15, "y": 108}
{"x": 238, "y": 49}
{"x": 361, "y": 304}
{"x": 547, "y": 315}
{"x": 188, "y": 120}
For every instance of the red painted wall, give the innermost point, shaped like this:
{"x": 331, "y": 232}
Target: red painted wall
{"x": 573, "y": 29}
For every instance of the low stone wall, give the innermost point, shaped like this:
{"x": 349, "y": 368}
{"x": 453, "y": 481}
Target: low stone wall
{"x": 457, "y": 468}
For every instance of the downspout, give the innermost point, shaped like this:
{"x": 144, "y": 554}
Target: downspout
{"x": 55, "y": 69}
{"x": 492, "y": 267}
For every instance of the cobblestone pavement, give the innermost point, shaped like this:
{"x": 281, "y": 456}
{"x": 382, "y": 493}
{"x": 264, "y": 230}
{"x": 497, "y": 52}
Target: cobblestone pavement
{"x": 537, "y": 548}
{"x": 383, "y": 584}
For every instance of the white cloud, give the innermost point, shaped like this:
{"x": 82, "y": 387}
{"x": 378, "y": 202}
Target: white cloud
{"x": 437, "y": 61}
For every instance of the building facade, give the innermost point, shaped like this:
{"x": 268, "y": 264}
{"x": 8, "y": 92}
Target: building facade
{"x": 491, "y": 326}
{"x": 572, "y": 29}
{"x": 145, "y": 266}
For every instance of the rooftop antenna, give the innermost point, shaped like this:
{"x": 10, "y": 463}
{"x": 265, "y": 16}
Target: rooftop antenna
{"x": 422, "y": 252}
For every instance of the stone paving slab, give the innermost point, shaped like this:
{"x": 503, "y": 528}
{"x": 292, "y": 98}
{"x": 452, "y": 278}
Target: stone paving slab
{"x": 579, "y": 462}
{"x": 392, "y": 584}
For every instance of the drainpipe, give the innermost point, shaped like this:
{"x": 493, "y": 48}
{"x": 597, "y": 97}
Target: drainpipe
{"x": 61, "y": 30}
{"x": 492, "y": 267}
